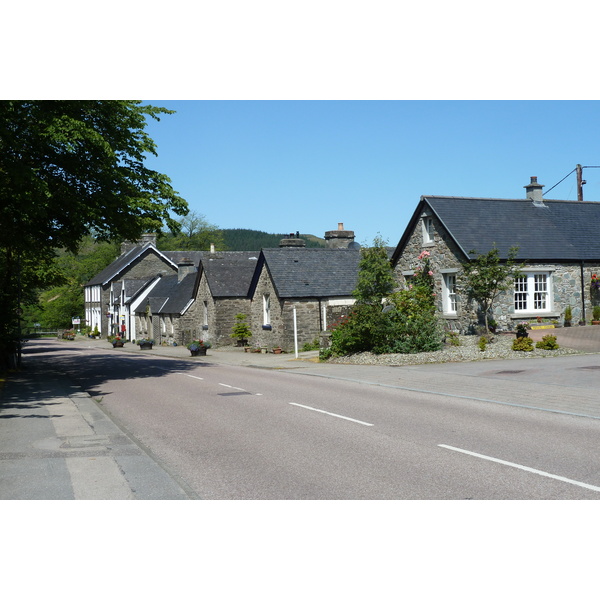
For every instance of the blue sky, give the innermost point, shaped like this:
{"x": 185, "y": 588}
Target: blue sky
{"x": 283, "y": 166}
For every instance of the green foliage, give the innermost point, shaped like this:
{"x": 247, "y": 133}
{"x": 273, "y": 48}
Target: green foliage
{"x": 309, "y": 346}
{"x": 195, "y": 233}
{"x": 251, "y": 240}
{"x": 241, "y": 330}
{"x": 483, "y": 342}
{"x": 407, "y": 325}
{"x": 375, "y": 274}
{"x": 452, "y": 338}
{"x": 596, "y": 313}
{"x": 67, "y": 169}
{"x": 523, "y": 344}
{"x": 485, "y": 276}
{"x": 568, "y": 314}
{"x": 548, "y": 342}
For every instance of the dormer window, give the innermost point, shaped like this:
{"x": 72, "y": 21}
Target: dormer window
{"x": 428, "y": 230}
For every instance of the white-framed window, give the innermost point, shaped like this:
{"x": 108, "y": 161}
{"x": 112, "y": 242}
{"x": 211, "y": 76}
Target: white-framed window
{"x": 205, "y": 313}
{"x": 449, "y": 293}
{"x": 267, "y": 309}
{"x": 428, "y": 230}
{"x": 532, "y": 292}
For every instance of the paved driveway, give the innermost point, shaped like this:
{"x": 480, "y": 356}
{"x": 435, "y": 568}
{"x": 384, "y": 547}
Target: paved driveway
{"x": 585, "y": 339}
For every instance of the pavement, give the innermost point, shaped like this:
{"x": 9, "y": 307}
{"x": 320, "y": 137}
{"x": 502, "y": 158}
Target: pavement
{"x": 56, "y": 443}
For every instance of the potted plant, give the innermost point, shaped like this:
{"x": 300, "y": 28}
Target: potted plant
{"x": 568, "y": 316}
{"x": 241, "y": 331}
{"x": 522, "y": 328}
{"x": 596, "y": 315}
{"x": 116, "y": 340}
{"x": 145, "y": 343}
{"x": 198, "y": 347}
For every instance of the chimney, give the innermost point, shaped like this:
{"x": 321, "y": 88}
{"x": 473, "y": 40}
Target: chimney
{"x": 148, "y": 238}
{"x": 292, "y": 241}
{"x": 340, "y": 238}
{"x": 533, "y": 192}
{"x": 212, "y": 248}
{"x": 184, "y": 267}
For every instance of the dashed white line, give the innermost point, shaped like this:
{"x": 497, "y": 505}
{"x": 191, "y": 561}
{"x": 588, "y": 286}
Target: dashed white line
{"x": 232, "y": 387}
{"x": 332, "y": 414}
{"x": 523, "y": 468}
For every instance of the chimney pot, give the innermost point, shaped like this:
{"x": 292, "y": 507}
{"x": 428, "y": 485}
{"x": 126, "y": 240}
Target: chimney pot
{"x": 340, "y": 227}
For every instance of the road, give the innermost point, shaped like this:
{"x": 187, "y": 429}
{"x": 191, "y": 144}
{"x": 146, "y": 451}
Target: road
{"x": 433, "y": 432}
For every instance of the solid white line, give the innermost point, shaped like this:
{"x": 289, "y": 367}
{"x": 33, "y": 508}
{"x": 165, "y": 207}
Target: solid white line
{"x": 332, "y": 414}
{"x": 232, "y": 387}
{"x": 524, "y": 468}
{"x": 193, "y": 376}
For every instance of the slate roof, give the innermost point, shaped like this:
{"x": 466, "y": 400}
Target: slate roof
{"x": 311, "y": 272}
{"x": 171, "y": 296}
{"x": 559, "y": 231}
{"x": 229, "y": 274}
{"x": 113, "y": 270}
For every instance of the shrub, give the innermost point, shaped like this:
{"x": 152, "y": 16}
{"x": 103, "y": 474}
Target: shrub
{"x": 548, "y": 342}
{"x": 596, "y": 313}
{"x": 452, "y": 338}
{"x": 524, "y": 344}
{"x": 308, "y": 346}
{"x": 483, "y": 342}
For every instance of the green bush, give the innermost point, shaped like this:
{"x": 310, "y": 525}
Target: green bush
{"x": 308, "y": 346}
{"x": 524, "y": 344}
{"x": 452, "y": 338}
{"x": 483, "y": 342}
{"x": 548, "y": 342}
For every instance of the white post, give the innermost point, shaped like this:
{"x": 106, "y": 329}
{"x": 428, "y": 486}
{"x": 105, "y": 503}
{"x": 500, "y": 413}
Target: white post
{"x": 295, "y": 334}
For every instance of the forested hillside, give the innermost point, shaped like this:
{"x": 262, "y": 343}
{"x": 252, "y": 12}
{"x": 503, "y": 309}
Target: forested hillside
{"x": 249, "y": 239}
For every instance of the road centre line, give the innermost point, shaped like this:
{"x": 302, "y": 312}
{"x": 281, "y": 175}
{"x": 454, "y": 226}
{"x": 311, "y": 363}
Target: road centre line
{"x": 523, "y": 468}
{"x": 332, "y": 414}
{"x": 232, "y": 387}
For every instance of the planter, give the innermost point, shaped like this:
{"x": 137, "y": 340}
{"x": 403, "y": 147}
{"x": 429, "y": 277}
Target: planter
{"x": 242, "y": 343}
{"x": 145, "y": 346}
{"x": 277, "y": 350}
{"x": 595, "y": 322}
{"x": 118, "y": 344}
{"x": 199, "y": 352}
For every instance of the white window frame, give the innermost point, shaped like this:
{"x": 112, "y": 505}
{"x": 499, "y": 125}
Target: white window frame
{"x": 266, "y": 309}
{"x": 532, "y": 293}
{"x": 205, "y": 313}
{"x": 428, "y": 230}
{"x": 449, "y": 300}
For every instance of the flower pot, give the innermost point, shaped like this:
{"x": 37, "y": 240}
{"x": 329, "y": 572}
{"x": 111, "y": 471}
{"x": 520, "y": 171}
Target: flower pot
{"x": 118, "y": 344}
{"x": 199, "y": 352}
{"x": 145, "y": 346}
{"x": 595, "y": 322}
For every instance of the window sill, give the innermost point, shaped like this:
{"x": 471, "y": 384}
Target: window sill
{"x": 267, "y": 327}
{"x": 428, "y": 244}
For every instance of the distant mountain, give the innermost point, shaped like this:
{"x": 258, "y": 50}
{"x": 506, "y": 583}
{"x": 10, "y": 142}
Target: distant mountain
{"x": 249, "y": 239}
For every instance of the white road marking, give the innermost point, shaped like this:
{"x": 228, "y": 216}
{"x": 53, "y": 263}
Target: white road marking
{"x": 523, "y": 468}
{"x": 232, "y": 387}
{"x": 332, "y": 414}
{"x": 193, "y": 376}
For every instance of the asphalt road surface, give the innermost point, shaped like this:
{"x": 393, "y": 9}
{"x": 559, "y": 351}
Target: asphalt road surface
{"x": 231, "y": 432}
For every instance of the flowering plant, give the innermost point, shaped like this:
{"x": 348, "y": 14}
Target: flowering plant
{"x": 595, "y": 282}
{"x": 197, "y": 344}
{"x": 144, "y": 341}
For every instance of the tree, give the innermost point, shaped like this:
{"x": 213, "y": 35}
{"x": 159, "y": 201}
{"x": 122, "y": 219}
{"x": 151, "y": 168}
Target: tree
{"x": 375, "y": 274}
{"x": 68, "y": 168}
{"x": 195, "y": 233}
{"x": 486, "y": 276}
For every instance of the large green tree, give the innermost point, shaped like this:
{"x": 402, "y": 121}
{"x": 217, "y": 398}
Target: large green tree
{"x": 68, "y": 168}
{"x": 195, "y": 233}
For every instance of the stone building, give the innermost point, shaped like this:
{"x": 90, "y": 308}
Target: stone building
{"x": 108, "y": 294}
{"x": 311, "y": 286}
{"x": 556, "y": 239}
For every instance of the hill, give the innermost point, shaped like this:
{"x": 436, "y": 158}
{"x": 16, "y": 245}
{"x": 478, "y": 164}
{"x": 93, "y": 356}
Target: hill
{"x": 250, "y": 239}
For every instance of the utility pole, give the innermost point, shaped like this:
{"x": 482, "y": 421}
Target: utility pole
{"x": 580, "y": 183}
